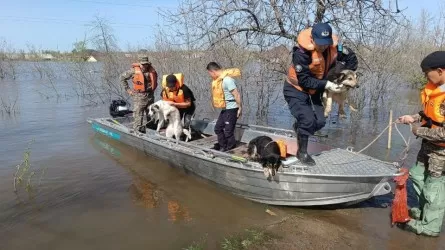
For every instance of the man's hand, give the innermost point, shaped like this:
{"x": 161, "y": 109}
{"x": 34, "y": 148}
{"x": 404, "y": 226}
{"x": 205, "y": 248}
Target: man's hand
{"x": 333, "y": 87}
{"x": 130, "y": 92}
{"x": 414, "y": 129}
{"x": 239, "y": 113}
{"x": 406, "y": 119}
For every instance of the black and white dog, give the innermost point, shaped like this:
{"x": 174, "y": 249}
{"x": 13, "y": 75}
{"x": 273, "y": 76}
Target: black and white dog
{"x": 160, "y": 112}
{"x": 266, "y": 151}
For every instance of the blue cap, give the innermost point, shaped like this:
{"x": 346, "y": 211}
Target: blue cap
{"x": 322, "y": 34}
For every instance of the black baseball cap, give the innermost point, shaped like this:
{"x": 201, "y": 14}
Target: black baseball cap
{"x": 322, "y": 34}
{"x": 171, "y": 81}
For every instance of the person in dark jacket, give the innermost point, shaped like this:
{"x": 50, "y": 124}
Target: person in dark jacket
{"x": 316, "y": 52}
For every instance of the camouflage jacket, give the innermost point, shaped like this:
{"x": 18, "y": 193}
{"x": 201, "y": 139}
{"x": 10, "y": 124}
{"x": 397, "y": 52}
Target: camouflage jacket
{"x": 127, "y": 75}
{"x": 432, "y": 134}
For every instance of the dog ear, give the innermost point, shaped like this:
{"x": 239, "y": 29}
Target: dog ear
{"x": 341, "y": 77}
{"x": 156, "y": 107}
{"x": 358, "y": 75}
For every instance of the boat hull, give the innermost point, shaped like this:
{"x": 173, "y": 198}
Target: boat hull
{"x": 289, "y": 189}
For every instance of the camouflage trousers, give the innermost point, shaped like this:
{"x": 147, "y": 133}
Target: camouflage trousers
{"x": 433, "y": 158}
{"x": 429, "y": 186}
{"x": 141, "y": 101}
{"x": 430, "y": 163}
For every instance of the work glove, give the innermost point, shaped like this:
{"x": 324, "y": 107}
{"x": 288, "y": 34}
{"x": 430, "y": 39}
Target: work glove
{"x": 406, "y": 119}
{"x": 333, "y": 87}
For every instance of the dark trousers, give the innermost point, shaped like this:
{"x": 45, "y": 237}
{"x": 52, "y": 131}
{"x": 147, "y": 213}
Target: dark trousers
{"x": 310, "y": 116}
{"x": 187, "y": 114}
{"x": 225, "y": 129}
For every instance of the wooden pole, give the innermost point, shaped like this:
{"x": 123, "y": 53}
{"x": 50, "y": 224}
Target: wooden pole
{"x": 389, "y": 129}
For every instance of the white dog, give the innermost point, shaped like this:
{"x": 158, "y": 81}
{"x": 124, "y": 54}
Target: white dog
{"x": 161, "y": 111}
{"x": 347, "y": 79}
{"x": 156, "y": 113}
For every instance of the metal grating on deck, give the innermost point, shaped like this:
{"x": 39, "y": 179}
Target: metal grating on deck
{"x": 341, "y": 162}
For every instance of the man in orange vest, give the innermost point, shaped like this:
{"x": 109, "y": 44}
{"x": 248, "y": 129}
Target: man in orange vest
{"x": 428, "y": 173}
{"x": 316, "y": 52}
{"x": 144, "y": 84}
{"x": 180, "y": 96}
{"x": 225, "y": 96}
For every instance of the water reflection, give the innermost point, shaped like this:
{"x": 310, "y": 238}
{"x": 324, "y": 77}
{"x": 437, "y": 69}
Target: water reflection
{"x": 144, "y": 192}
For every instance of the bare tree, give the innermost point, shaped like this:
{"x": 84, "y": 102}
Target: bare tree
{"x": 267, "y": 23}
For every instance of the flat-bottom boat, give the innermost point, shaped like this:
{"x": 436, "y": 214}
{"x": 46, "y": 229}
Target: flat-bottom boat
{"x": 340, "y": 176}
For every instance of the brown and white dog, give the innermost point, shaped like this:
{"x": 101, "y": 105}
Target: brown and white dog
{"x": 348, "y": 80}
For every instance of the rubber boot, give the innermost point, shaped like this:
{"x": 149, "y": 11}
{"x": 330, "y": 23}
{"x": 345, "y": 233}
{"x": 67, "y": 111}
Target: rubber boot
{"x": 302, "y": 154}
{"x": 417, "y": 175}
{"x": 415, "y": 213}
{"x": 433, "y": 211}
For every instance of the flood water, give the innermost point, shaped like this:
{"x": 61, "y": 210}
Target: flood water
{"x": 89, "y": 192}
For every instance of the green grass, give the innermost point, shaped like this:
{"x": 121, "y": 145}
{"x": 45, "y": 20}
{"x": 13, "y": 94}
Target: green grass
{"x": 246, "y": 240}
{"x": 24, "y": 171}
{"x": 195, "y": 246}
{"x": 198, "y": 245}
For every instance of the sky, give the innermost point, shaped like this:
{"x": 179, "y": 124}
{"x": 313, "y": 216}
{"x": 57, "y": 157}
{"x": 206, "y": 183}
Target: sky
{"x": 56, "y": 25}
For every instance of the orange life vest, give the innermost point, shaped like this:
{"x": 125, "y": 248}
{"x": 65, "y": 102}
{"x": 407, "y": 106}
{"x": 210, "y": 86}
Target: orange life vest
{"x": 319, "y": 65}
{"x": 176, "y": 94}
{"x": 139, "y": 83}
{"x": 283, "y": 148}
{"x": 432, "y": 97}
{"x": 218, "y": 99}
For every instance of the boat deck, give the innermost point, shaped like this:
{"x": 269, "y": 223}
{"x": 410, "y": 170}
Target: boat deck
{"x": 330, "y": 162}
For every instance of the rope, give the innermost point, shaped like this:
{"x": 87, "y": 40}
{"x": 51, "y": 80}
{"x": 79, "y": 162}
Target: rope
{"x": 381, "y": 133}
{"x": 407, "y": 143}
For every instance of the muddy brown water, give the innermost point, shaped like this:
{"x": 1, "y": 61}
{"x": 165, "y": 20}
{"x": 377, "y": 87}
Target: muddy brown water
{"x": 89, "y": 192}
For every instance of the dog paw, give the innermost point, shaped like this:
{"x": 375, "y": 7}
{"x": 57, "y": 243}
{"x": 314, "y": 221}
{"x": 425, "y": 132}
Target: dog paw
{"x": 326, "y": 114}
{"x": 266, "y": 172}
{"x": 342, "y": 116}
{"x": 352, "y": 108}
{"x": 271, "y": 172}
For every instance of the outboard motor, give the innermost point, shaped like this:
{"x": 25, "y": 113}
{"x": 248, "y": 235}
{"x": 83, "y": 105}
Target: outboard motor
{"x": 119, "y": 108}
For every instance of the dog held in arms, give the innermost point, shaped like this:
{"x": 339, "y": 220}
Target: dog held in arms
{"x": 161, "y": 111}
{"x": 266, "y": 151}
{"x": 347, "y": 79}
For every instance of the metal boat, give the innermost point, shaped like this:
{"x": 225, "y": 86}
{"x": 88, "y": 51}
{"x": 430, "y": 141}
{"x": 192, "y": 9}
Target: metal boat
{"x": 340, "y": 176}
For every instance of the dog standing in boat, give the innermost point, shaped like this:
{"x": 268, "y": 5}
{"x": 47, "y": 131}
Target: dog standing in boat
{"x": 266, "y": 151}
{"x": 348, "y": 80}
{"x": 161, "y": 111}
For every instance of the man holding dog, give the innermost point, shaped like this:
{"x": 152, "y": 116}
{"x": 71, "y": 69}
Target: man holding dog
{"x": 177, "y": 94}
{"x": 144, "y": 84}
{"x": 316, "y": 51}
{"x": 226, "y": 97}
{"x": 428, "y": 173}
